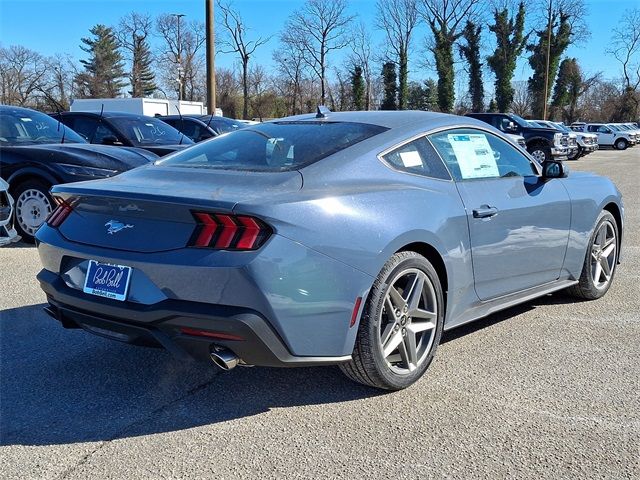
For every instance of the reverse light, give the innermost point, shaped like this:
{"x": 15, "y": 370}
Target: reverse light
{"x": 60, "y": 213}
{"x": 223, "y": 231}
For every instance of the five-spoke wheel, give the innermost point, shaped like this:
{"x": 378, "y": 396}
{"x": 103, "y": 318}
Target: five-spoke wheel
{"x": 401, "y": 324}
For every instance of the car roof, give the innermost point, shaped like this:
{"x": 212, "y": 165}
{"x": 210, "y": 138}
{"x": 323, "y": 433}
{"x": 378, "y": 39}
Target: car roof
{"x": 108, "y": 114}
{"x": 392, "y": 119}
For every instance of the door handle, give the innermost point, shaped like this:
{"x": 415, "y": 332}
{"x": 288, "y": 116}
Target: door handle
{"x": 484, "y": 211}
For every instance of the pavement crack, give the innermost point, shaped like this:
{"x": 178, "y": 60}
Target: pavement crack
{"x": 122, "y": 431}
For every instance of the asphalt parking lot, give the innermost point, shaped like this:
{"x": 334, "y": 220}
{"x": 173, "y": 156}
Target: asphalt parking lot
{"x": 550, "y": 389}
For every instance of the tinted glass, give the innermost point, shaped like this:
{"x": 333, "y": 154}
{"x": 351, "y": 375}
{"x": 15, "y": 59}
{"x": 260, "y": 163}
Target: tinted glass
{"x": 21, "y": 127}
{"x": 222, "y": 124}
{"x": 145, "y": 131}
{"x": 474, "y": 154}
{"x": 417, "y": 157}
{"x": 274, "y": 146}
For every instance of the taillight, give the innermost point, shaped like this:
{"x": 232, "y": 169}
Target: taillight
{"x": 60, "y": 213}
{"x": 223, "y": 231}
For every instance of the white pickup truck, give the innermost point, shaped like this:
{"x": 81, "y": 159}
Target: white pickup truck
{"x": 609, "y": 135}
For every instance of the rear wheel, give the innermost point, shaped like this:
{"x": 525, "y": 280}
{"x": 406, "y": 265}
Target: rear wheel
{"x": 33, "y": 206}
{"x": 621, "y": 144}
{"x": 577, "y": 154}
{"x": 401, "y": 325}
{"x": 600, "y": 261}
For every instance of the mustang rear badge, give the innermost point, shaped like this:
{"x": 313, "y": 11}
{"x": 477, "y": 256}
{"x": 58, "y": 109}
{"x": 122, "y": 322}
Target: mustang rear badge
{"x": 115, "y": 226}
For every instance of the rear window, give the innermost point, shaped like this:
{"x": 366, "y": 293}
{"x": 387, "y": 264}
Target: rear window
{"x": 274, "y": 146}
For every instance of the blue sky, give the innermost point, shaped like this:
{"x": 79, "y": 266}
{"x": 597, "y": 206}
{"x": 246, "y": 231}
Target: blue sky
{"x": 56, "y": 26}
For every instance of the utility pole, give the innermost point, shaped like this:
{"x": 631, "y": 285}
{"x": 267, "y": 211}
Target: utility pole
{"x": 546, "y": 75}
{"x": 178, "y": 17}
{"x": 211, "y": 58}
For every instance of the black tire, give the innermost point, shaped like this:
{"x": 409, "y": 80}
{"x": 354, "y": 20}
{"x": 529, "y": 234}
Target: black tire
{"x": 25, "y": 232}
{"x": 621, "y": 144}
{"x": 586, "y": 287}
{"x": 541, "y": 152}
{"x": 578, "y": 153}
{"x": 368, "y": 365}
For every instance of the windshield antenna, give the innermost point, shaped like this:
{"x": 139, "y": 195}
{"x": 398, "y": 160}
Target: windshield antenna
{"x": 181, "y": 125}
{"x": 64, "y": 130}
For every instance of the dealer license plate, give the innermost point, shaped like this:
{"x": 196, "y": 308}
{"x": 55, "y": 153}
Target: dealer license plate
{"x": 109, "y": 281}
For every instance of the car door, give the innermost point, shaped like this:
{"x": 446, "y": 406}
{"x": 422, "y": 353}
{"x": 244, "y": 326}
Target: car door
{"x": 518, "y": 222}
{"x": 605, "y": 135}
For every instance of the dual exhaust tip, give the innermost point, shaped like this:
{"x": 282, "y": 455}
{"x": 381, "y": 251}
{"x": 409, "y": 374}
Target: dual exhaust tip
{"x": 224, "y": 358}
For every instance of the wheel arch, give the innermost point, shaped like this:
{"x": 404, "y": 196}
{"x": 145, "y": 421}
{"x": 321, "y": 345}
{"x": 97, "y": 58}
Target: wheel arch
{"x": 430, "y": 253}
{"x": 535, "y": 141}
{"x": 614, "y": 209}
{"x": 26, "y": 174}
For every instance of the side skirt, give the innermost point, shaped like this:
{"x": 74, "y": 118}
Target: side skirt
{"x": 482, "y": 309}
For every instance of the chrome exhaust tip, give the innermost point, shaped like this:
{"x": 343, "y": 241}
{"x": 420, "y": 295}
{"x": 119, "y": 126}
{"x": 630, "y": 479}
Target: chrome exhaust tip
{"x": 224, "y": 358}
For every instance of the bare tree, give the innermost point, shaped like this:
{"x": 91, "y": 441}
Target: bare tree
{"x": 185, "y": 56}
{"x": 361, "y": 56}
{"x": 290, "y": 64}
{"x": 235, "y": 41}
{"x": 625, "y": 47}
{"x": 521, "y": 104}
{"x": 317, "y": 29}
{"x": 21, "y": 74}
{"x": 398, "y": 19}
{"x": 133, "y": 33}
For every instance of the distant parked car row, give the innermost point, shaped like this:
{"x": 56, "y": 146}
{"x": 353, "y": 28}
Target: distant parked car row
{"x": 617, "y": 135}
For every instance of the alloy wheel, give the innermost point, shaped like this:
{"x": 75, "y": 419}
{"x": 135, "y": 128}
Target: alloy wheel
{"x": 539, "y": 155}
{"x": 32, "y": 209}
{"x": 603, "y": 255}
{"x": 408, "y": 320}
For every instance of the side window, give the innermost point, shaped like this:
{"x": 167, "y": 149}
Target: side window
{"x": 417, "y": 157}
{"x": 85, "y": 126}
{"x": 103, "y": 131}
{"x": 603, "y": 129}
{"x": 472, "y": 154}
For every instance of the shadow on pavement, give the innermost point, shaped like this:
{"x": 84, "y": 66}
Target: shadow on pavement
{"x": 66, "y": 386}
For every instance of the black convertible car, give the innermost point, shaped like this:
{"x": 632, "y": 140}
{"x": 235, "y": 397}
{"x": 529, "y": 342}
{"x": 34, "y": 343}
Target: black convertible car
{"x": 128, "y": 129}
{"x": 37, "y": 152}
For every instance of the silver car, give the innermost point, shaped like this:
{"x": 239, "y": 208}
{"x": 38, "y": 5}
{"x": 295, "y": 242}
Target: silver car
{"x": 351, "y": 238}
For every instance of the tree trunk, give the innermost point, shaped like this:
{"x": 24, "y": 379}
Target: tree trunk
{"x": 402, "y": 79}
{"x": 245, "y": 89}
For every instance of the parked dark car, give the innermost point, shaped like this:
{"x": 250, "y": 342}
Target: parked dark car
{"x": 125, "y": 129}
{"x": 202, "y": 127}
{"x": 37, "y": 152}
{"x": 542, "y": 143}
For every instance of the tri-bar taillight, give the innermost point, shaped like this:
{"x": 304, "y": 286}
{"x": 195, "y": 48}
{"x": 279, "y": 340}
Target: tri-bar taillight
{"x": 222, "y": 231}
{"x": 60, "y": 213}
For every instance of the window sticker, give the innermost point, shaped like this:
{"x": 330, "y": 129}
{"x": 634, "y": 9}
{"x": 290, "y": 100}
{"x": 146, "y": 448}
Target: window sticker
{"x": 411, "y": 159}
{"x": 474, "y": 155}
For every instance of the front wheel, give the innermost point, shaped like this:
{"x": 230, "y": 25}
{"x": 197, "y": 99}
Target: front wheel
{"x": 621, "y": 144}
{"x": 33, "y": 206}
{"x": 401, "y": 325}
{"x": 541, "y": 153}
{"x": 600, "y": 260}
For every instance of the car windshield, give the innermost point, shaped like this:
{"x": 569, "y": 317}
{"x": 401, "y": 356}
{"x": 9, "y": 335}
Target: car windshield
{"x": 521, "y": 121}
{"x": 615, "y": 128}
{"x": 276, "y": 146}
{"x": 145, "y": 131}
{"x": 222, "y": 124}
{"x": 28, "y": 127}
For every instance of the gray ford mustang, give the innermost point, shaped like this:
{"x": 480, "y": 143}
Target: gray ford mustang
{"x": 349, "y": 238}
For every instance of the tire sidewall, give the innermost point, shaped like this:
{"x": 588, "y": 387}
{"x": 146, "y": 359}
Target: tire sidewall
{"x": 373, "y": 310}
{"x": 19, "y": 190}
{"x": 545, "y": 150}
{"x": 621, "y": 144}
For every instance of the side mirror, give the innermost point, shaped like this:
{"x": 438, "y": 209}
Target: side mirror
{"x": 554, "y": 169}
{"x": 111, "y": 140}
{"x": 511, "y": 127}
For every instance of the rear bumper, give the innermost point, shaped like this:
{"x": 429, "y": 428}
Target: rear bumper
{"x": 160, "y": 325}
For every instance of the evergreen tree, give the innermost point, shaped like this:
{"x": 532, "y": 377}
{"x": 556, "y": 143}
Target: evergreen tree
{"x": 493, "y": 106}
{"x": 142, "y": 78}
{"x": 471, "y": 52}
{"x": 443, "y": 53}
{"x": 510, "y": 42}
{"x": 560, "y": 27}
{"x": 567, "y": 88}
{"x": 104, "y": 70}
{"x": 422, "y": 96}
{"x": 357, "y": 88}
{"x": 390, "y": 81}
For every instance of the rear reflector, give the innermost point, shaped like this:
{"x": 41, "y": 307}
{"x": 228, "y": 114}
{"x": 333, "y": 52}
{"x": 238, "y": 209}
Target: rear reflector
{"x": 60, "y": 213}
{"x": 356, "y": 309}
{"x": 206, "y": 333}
{"x": 228, "y": 232}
